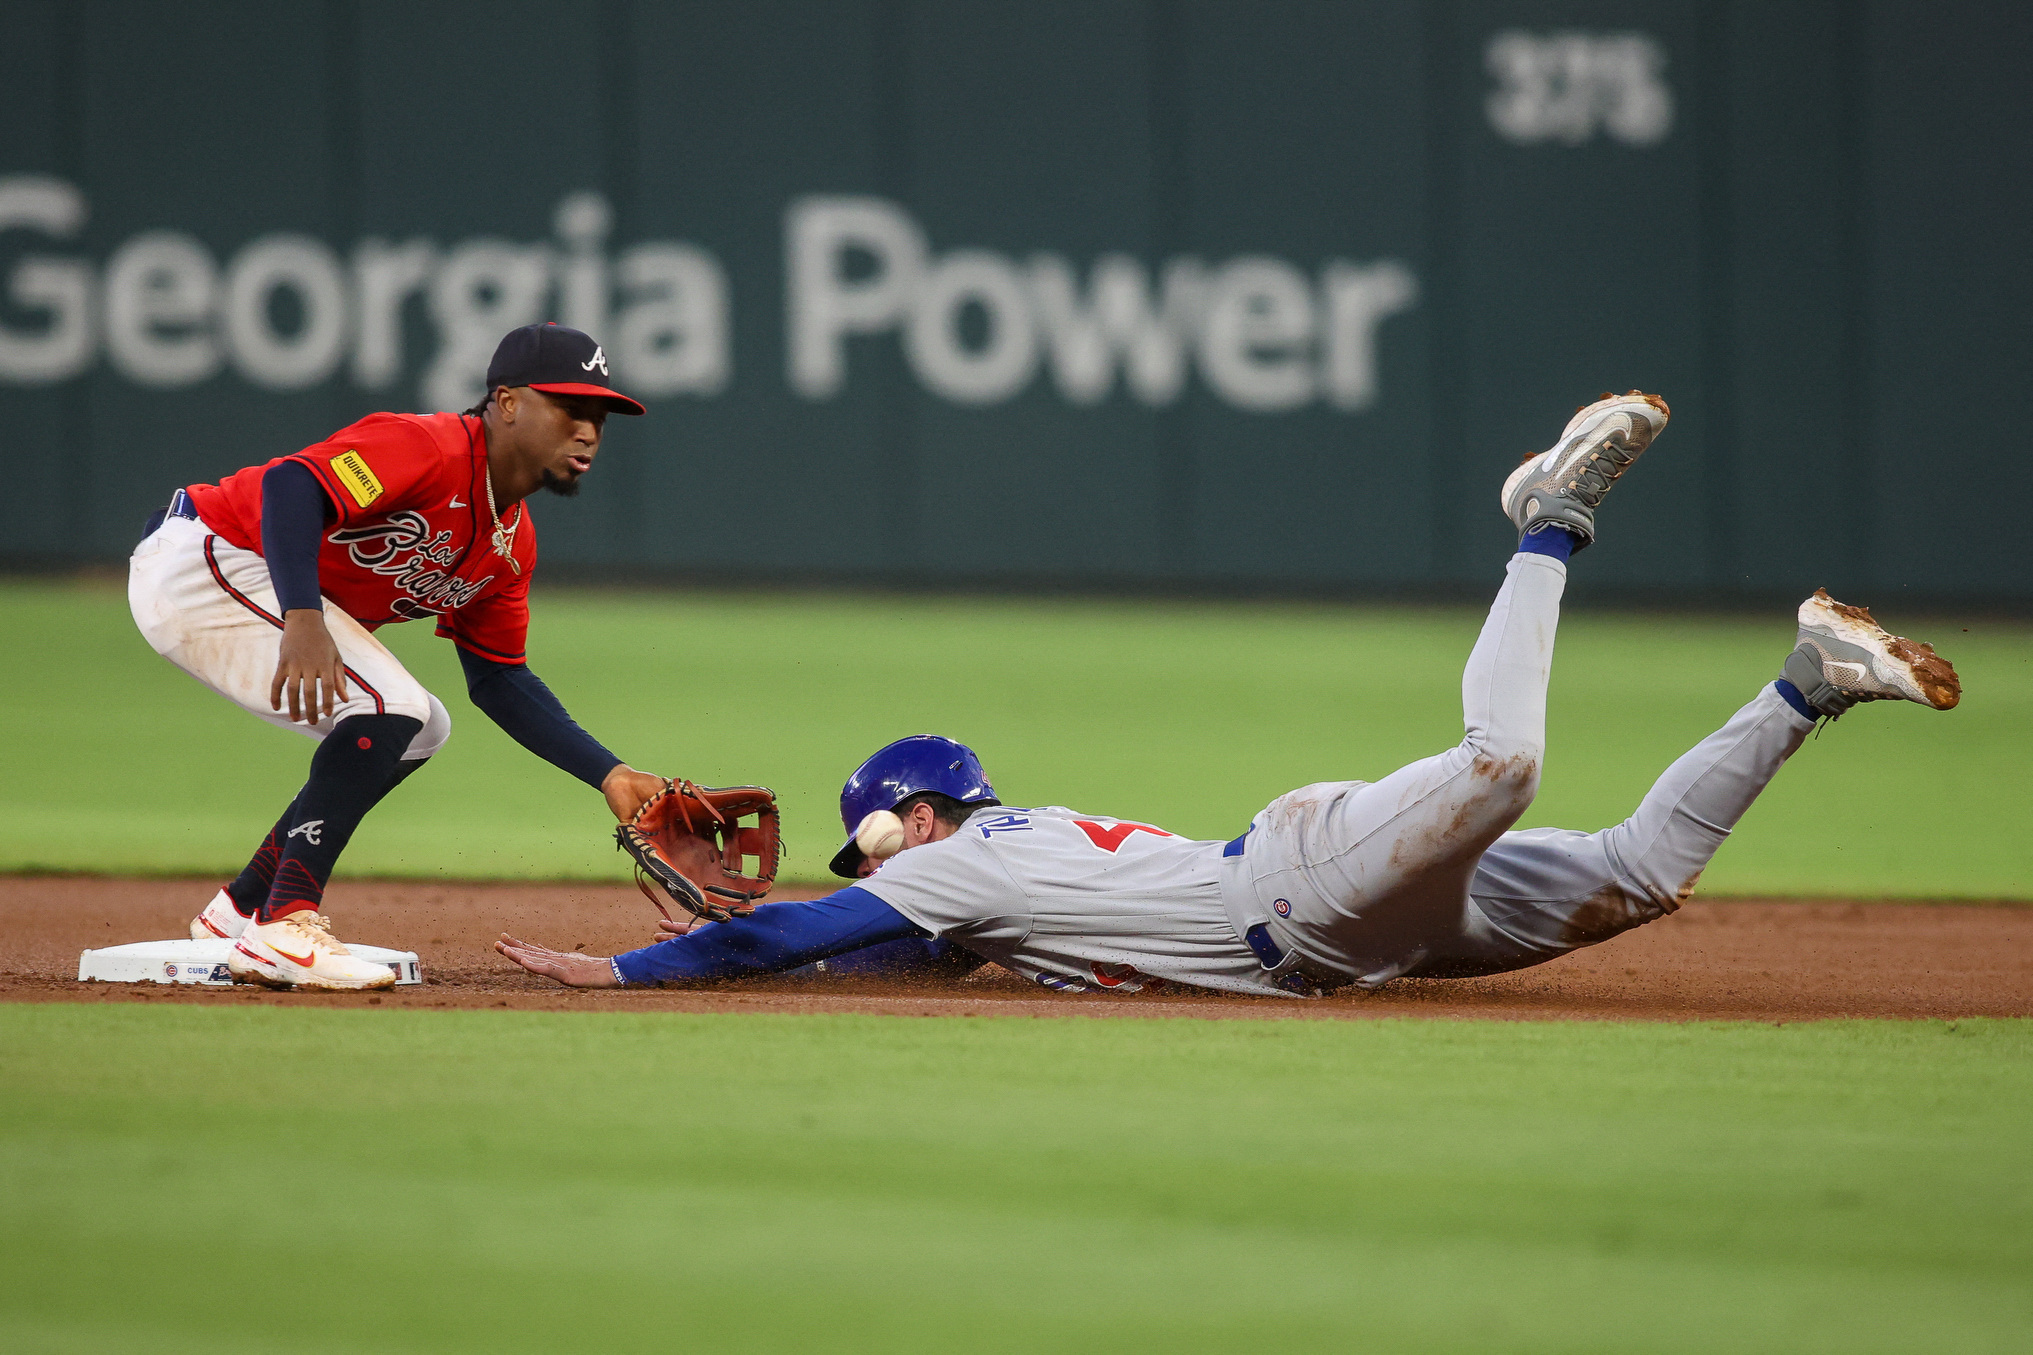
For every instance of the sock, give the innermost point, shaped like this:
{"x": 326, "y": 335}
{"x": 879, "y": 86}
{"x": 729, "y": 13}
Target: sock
{"x": 250, "y": 887}
{"x": 357, "y": 764}
{"x": 1793, "y": 698}
{"x": 1557, "y": 542}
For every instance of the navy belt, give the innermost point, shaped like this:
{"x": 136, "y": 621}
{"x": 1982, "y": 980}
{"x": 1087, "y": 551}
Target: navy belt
{"x": 1234, "y": 848}
{"x": 1259, "y": 940}
{"x": 180, "y": 506}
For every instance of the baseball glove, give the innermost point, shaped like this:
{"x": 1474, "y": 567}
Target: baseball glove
{"x": 688, "y": 841}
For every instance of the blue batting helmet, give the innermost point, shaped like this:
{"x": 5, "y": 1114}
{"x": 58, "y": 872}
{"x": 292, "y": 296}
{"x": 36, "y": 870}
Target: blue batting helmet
{"x": 894, "y": 773}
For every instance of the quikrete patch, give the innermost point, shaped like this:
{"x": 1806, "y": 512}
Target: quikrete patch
{"x": 353, "y": 473}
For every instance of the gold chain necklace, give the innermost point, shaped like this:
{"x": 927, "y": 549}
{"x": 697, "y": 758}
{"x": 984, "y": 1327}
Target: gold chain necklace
{"x": 504, "y": 537}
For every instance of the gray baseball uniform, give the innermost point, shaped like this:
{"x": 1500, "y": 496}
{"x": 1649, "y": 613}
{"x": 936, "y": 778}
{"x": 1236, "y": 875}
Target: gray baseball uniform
{"x": 1353, "y": 882}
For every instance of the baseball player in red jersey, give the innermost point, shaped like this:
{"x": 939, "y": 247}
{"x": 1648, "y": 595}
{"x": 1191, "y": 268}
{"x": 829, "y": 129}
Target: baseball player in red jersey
{"x": 268, "y": 586}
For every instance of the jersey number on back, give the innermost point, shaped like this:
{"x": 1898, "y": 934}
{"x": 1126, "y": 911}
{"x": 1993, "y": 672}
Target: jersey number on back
{"x": 1109, "y": 838}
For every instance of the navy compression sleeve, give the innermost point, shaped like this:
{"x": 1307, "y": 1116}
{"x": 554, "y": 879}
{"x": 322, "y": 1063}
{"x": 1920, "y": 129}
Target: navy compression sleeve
{"x": 914, "y": 957}
{"x": 293, "y": 513}
{"x": 776, "y": 937}
{"x": 517, "y": 700}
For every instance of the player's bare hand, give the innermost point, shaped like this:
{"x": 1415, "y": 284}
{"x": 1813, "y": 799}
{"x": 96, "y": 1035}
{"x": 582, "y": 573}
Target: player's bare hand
{"x": 567, "y": 967}
{"x": 627, "y": 789}
{"x": 309, "y": 671}
{"x": 668, "y": 927}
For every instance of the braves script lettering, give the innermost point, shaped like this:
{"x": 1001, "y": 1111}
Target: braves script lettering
{"x": 417, "y": 559}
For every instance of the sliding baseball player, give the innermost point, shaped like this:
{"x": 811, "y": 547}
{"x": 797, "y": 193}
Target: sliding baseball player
{"x": 1336, "y": 884}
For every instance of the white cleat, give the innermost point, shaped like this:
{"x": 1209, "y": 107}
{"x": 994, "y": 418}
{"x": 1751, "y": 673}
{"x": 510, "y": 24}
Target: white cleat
{"x": 1562, "y": 485}
{"x": 220, "y": 921}
{"x": 1844, "y": 656}
{"x": 299, "y": 951}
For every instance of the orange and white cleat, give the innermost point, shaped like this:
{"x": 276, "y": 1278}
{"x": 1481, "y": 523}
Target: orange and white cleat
{"x": 220, "y": 921}
{"x": 299, "y": 951}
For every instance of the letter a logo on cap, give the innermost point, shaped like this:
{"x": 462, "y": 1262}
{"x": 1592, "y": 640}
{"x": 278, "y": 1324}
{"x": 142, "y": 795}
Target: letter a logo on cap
{"x": 599, "y": 360}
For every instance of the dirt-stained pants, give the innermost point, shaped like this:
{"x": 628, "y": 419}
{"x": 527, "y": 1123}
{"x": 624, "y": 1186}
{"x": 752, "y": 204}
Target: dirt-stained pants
{"x": 209, "y": 608}
{"x": 1417, "y": 874}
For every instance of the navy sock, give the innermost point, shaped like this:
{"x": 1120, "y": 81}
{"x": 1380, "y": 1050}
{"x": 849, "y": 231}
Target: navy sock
{"x": 1795, "y": 699}
{"x": 249, "y": 889}
{"x": 1557, "y": 542}
{"x": 357, "y": 764}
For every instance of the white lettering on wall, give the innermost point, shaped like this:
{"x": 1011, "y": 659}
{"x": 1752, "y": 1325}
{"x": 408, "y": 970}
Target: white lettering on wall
{"x": 1358, "y": 300}
{"x": 1566, "y": 87}
{"x": 162, "y": 288}
{"x": 671, "y": 338}
{"x": 60, "y": 288}
{"x": 308, "y": 268}
{"x": 1117, "y": 323}
{"x": 822, "y": 236}
{"x": 384, "y": 277}
{"x": 484, "y": 289}
{"x": 1007, "y": 357}
{"x": 1256, "y": 344}
{"x": 975, "y": 325}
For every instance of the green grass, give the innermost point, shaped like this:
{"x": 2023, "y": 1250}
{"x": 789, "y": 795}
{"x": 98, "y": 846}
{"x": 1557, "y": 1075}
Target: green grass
{"x": 1187, "y": 715}
{"x": 228, "y": 1179}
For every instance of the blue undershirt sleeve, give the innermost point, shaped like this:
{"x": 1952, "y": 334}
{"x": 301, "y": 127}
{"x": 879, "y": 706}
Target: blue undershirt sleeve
{"x": 914, "y": 957}
{"x": 518, "y": 701}
{"x": 294, "y": 511}
{"x": 776, "y": 937}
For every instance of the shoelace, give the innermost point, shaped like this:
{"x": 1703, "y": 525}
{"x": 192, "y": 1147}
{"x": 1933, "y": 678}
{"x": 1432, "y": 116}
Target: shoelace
{"x": 1593, "y": 480}
{"x": 316, "y": 928}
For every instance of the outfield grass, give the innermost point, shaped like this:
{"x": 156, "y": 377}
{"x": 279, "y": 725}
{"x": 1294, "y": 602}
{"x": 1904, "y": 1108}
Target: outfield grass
{"x": 1187, "y": 715}
{"x": 212, "y": 1180}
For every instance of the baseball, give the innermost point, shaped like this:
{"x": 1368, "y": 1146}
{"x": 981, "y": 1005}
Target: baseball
{"x": 880, "y": 836}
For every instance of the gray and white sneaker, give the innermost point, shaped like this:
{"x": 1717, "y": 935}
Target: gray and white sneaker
{"x": 1562, "y": 486}
{"x": 1845, "y": 657}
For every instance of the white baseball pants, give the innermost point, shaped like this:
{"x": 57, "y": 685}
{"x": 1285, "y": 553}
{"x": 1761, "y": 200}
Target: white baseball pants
{"x": 209, "y": 608}
{"x": 1417, "y": 874}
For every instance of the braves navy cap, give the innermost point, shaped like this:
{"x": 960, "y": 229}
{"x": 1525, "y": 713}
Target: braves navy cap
{"x": 558, "y": 359}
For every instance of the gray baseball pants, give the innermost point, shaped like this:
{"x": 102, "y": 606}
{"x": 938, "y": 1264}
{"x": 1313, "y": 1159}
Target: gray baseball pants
{"x": 1419, "y": 875}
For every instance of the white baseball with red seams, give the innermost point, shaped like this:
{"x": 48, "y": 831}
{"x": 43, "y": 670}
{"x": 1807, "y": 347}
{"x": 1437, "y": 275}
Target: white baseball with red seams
{"x": 880, "y": 835}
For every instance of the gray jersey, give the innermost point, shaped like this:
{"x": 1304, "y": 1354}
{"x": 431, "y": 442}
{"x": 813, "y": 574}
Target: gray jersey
{"x": 1076, "y": 901}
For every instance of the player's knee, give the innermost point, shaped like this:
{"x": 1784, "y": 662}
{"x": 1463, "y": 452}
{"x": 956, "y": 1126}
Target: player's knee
{"x": 437, "y": 728}
{"x": 1511, "y": 772}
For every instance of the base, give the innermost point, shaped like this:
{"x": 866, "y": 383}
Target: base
{"x": 205, "y": 962}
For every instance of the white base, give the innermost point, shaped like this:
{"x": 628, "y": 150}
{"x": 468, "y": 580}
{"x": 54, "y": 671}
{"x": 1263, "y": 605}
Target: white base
{"x": 205, "y": 962}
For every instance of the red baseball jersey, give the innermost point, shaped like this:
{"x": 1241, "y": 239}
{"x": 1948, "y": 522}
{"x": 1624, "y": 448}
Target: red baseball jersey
{"x": 413, "y": 536}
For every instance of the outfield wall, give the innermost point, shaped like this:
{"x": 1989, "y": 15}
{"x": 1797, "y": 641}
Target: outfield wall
{"x": 1056, "y": 291}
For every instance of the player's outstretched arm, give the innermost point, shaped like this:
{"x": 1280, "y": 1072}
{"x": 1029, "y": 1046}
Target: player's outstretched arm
{"x": 567, "y": 967}
{"x": 776, "y": 937}
{"x": 628, "y": 790}
{"x": 516, "y": 699}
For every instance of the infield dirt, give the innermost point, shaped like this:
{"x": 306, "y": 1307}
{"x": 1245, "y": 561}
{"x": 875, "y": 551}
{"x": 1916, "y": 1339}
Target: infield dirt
{"x": 1713, "y": 960}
